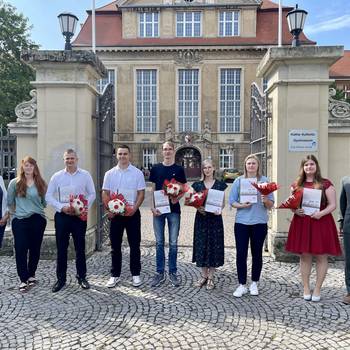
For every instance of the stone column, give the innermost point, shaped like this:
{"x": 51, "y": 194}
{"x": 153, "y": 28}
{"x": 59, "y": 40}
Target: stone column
{"x": 298, "y": 83}
{"x": 66, "y": 105}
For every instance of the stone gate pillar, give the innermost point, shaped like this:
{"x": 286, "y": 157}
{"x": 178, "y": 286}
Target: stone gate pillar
{"x": 66, "y": 105}
{"x": 298, "y": 83}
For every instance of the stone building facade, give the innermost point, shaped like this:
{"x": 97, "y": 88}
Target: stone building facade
{"x": 183, "y": 71}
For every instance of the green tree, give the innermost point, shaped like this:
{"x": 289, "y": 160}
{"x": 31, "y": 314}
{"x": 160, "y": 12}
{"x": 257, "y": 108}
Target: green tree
{"x": 339, "y": 94}
{"x": 15, "y": 75}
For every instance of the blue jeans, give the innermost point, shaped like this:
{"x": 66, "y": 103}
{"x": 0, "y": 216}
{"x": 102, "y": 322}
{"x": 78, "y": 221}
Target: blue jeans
{"x": 174, "y": 227}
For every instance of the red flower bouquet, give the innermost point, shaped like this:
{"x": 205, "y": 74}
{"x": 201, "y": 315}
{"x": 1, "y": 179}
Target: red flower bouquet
{"x": 266, "y": 188}
{"x": 174, "y": 189}
{"x": 293, "y": 201}
{"x": 118, "y": 205}
{"x": 79, "y": 205}
{"x": 196, "y": 199}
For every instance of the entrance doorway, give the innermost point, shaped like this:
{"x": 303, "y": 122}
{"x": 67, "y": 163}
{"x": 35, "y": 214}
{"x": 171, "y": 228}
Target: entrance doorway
{"x": 190, "y": 159}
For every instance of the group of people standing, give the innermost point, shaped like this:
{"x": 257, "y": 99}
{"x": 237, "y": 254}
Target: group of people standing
{"x": 309, "y": 236}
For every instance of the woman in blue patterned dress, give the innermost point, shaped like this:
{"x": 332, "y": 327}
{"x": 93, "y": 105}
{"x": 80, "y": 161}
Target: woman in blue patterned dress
{"x": 208, "y": 239}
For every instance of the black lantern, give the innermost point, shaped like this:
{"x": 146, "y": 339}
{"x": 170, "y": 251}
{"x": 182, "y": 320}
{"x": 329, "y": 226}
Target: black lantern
{"x": 68, "y": 23}
{"x": 296, "y": 20}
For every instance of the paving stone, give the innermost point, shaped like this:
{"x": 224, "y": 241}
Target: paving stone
{"x": 166, "y": 317}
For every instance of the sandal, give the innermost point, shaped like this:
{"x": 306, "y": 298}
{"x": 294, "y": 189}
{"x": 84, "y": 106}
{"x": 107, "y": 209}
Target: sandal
{"x": 210, "y": 284}
{"x": 23, "y": 287}
{"x": 201, "y": 282}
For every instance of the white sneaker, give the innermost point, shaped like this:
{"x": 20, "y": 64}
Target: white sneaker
{"x": 240, "y": 291}
{"x": 112, "y": 282}
{"x": 136, "y": 281}
{"x": 253, "y": 289}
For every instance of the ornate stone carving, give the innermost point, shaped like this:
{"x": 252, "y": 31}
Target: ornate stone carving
{"x": 26, "y": 111}
{"x": 79, "y": 56}
{"x": 338, "y": 109}
{"x": 188, "y": 57}
{"x": 206, "y": 134}
{"x": 187, "y": 137}
{"x": 169, "y": 136}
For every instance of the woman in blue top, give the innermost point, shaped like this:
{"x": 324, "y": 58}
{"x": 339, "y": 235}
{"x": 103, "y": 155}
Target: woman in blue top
{"x": 250, "y": 225}
{"x": 26, "y": 200}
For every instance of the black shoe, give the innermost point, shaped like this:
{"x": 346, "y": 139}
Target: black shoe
{"x": 84, "y": 283}
{"x": 58, "y": 286}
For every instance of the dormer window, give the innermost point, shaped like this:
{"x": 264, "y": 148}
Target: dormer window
{"x": 188, "y": 24}
{"x": 148, "y": 24}
{"x": 229, "y": 23}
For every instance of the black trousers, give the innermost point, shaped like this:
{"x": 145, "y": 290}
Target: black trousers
{"x": 66, "y": 225}
{"x": 256, "y": 235}
{"x": 132, "y": 225}
{"x": 28, "y": 235}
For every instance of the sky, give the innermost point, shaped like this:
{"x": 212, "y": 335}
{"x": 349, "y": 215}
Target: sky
{"x": 327, "y": 23}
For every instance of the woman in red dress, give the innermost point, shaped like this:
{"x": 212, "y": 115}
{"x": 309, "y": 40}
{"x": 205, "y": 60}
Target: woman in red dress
{"x": 314, "y": 235}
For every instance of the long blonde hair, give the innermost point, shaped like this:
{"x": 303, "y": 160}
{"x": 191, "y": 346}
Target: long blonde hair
{"x": 207, "y": 161}
{"x": 258, "y": 171}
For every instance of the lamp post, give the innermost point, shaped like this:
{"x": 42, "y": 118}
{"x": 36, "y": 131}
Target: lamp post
{"x": 68, "y": 23}
{"x": 296, "y": 20}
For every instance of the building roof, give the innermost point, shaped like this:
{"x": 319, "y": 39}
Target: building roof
{"x": 341, "y": 68}
{"x": 267, "y": 4}
{"x": 109, "y": 32}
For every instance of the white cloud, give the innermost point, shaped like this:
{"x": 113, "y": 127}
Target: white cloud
{"x": 326, "y": 26}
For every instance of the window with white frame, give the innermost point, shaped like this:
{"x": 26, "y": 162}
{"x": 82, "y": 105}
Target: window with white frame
{"x": 230, "y": 99}
{"x": 229, "y": 23}
{"x": 188, "y": 24}
{"x": 110, "y": 78}
{"x": 188, "y": 99}
{"x": 149, "y": 157}
{"x": 264, "y": 84}
{"x": 148, "y": 24}
{"x": 226, "y": 158}
{"x": 146, "y": 100}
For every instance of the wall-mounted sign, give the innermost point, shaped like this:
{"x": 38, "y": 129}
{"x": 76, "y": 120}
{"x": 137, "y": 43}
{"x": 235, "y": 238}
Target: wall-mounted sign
{"x": 303, "y": 140}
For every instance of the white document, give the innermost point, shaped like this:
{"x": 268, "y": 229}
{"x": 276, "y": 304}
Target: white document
{"x": 247, "y": 192}
{"x": 64, "y": 193}
{"x": 161, "y": 202}
{"x": 311, "y": 200}
{"x": 214, "y": 201}
{"x": 129, "y": 195}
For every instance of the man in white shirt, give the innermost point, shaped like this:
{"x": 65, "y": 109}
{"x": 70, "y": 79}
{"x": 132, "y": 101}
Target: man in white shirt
{"x": 129, "y": 181}
{"x": 70, "y": 181}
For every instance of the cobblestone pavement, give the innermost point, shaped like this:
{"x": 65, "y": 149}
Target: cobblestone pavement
{"x": 171, "y": 318}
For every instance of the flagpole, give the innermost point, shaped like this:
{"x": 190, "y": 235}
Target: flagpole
{"x": 279, "y": 23}
{"x": 93, "y": 34}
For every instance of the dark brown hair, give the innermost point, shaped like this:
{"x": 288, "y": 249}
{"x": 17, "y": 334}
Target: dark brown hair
{"x": 124, "y": 146}
{"x": 21, "y": 183}
{"x": 318, "y": 179}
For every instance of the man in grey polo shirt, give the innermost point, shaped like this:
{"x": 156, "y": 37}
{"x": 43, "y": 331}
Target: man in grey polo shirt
{"x": 129, "y": 181}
